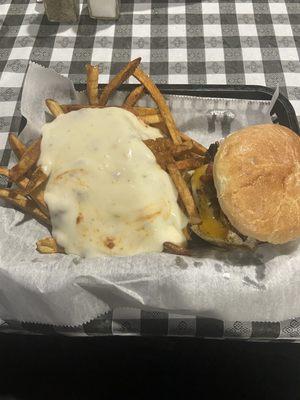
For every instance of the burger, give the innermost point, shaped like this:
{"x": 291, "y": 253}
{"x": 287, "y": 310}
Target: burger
{"x": 248, "y": 191}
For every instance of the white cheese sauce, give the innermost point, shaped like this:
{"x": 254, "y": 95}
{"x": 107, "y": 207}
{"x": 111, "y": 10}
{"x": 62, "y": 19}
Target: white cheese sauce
{"x": 106, "y": 194}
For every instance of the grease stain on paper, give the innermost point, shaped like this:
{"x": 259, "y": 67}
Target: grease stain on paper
{"x": 250, "y": 282}
{"x": 181, "y": 263}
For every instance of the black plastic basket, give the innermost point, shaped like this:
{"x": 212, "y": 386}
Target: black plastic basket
{"x": 283, "y": 108}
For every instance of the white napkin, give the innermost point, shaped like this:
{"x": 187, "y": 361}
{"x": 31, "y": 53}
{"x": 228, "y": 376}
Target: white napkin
{"x": 66, "y": 290}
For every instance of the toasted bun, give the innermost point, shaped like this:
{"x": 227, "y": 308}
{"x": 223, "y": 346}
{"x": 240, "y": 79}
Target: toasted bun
{"x": 257, "y": 178}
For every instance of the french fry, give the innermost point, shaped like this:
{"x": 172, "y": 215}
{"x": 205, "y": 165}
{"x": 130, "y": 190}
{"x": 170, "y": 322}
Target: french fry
{"x": 134, "y": 96}
{"x": 48, "y": 245}
{"x": 162, "y": 127}
{"x": 26, "y": 205}
{"x": 36, "y": 179}
{"x": 75, "y": 107}
{"x": 166, "y": 145}
{"x": 163, "y": 159}
{"x": 16, "y": 145}
{"x": 29, "y": 158}
{"x": 161, "y": 103}
{"x": 187, "y": 233}
{"x": 165, "y": 151}
{"x": 54, "y": 107}
{"x": 184, "y": 192}
{"x": 186, "y": 155}
{"x": 189, "y": 163}
{"x": 4, "y": 171}
{"x": 180, "y": 149}
{"x": 121, "y": 77}
{"x": 92, "y": 83}
{"x": 175, "y": 249}
{"x": 35, "y": 189}
{"x": 37, "y": 196}
{"x": 197, "y": 147}
{"x": 22, "y": 183}
{"x": 151, "y": 119}
{"x": 161, "y": 144}
{"x": 143, "y": 111}
{"x": 186, "y": 176}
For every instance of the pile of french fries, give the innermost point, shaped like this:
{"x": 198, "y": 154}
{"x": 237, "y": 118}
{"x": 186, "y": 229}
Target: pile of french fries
{"x": 175, "y": 152}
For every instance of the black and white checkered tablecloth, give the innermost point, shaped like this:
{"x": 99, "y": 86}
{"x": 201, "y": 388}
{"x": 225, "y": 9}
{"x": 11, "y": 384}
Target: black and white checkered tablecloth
{"x": 216, "y": 41}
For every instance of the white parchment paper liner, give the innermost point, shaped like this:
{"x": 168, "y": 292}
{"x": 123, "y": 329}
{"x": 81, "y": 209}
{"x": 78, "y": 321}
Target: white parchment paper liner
{"x": 66, "y": 290}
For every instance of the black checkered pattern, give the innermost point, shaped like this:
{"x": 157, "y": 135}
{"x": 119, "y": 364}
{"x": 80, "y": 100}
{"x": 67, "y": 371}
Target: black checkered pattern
{"x": 136, "y": 322}
{"x": 214, "y": 42}
{"x": 234, "y": 42}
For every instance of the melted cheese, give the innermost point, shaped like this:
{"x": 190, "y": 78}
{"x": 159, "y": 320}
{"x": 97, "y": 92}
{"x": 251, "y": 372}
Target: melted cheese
{"x": 210, "y": 228}
{"x": 106, "y": 194}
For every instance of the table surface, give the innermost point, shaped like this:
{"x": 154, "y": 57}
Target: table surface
{"x": 242, "y": 42}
